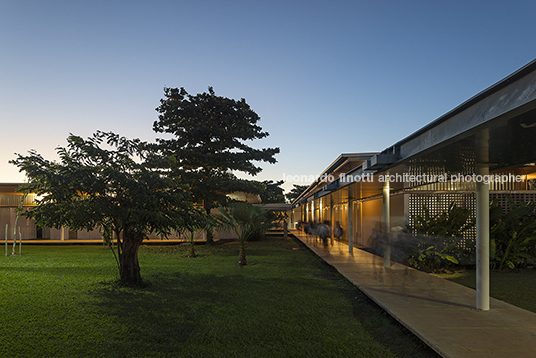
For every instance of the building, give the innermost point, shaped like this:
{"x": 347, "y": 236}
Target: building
{"x": 11, "y": 201}
{"x": 490, "y": 136}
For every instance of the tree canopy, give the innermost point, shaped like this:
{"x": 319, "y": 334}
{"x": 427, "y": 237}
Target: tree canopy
{"x": 272, "y": 192}
{"x": 296, "y": 191}
{"x": 209, "y": 135}
{"x": 210, "y": 132}
{"x": 112, "y": 189}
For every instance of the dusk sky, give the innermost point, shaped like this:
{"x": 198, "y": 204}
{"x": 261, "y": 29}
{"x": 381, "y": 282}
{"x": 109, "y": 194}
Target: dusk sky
{"x": 326, "y": 77}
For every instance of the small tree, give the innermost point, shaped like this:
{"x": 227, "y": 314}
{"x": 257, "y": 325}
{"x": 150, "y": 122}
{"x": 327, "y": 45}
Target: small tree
{"x": 246, "y": 220}
{"x": 19, "y": 213}
{"x": 209, "y": 132}
{"x": 113, "y": 189}
{"x": 201, "y": 221}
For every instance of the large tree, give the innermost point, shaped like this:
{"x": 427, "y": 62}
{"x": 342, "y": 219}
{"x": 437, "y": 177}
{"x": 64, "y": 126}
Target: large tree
{"x": 209, "y": 143}
{"x": 105, "y": 182}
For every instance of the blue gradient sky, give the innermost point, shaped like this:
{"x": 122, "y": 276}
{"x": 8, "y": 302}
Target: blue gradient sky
{"x": 326, "y": 77}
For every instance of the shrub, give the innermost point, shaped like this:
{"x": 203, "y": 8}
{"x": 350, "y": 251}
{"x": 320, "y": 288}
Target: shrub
{"x": 438, "y": 236}
{"x": 512, "y": 235}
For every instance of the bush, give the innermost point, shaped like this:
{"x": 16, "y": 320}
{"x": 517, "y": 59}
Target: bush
{"x": 512, "y": 235}
{"x": 438, "y": 236}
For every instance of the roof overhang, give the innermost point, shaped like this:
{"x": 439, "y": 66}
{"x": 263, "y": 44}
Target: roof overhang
{"x": 503, "y": 114}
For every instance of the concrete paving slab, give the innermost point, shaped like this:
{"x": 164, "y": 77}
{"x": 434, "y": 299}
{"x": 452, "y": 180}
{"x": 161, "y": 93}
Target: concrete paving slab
{"x": 440, "y": 312}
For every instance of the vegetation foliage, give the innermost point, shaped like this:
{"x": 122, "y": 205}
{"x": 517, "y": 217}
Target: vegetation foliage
{"x": 248, "y": 222}
{"x": 296, "y": 191}
{"x": 209, "y": 135}
{"x": 271, "y": 192}
{"x": 106, "y": 182}
{"x": 437, "y": 237}
{"x": 512, "y": 235}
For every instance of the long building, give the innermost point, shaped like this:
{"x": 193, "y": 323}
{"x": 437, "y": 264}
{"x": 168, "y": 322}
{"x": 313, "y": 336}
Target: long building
{"x": 482, "y": 150}
{"x": 13, "y": 227}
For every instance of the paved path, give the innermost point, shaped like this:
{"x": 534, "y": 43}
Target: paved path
{"x": 438, "y": 311}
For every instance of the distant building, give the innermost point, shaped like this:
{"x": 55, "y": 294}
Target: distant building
{"x": 10, "y": 201}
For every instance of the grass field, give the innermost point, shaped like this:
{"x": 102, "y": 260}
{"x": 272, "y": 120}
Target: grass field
{"x": 517, "y": 287}
{"x": 64, "y": 301}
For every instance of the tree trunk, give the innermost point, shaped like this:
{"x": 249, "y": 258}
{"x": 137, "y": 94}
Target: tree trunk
{"x": 192, "y": 251}
{"x": 210, "y": 233}
{"x": 129, "y": 267}
{"x": 210, "y": 237}
{"x": 242, "y": 254}
{"x": 192, "y": 246}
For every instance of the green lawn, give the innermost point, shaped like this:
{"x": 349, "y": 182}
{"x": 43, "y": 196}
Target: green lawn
{"x": 62, "y": 301}
{"x": 517, "y": 287}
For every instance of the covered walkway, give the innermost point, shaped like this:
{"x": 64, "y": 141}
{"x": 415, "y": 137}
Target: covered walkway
{"x": 438, "y": 311}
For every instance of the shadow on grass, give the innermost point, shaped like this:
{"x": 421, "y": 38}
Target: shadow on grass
{"x": 225, "y": 249}
{"x": 165, "y": 307}
{"x": 182, "y": 313}
{"x": 30, "y": 273}
{"x": 289, "y": 304}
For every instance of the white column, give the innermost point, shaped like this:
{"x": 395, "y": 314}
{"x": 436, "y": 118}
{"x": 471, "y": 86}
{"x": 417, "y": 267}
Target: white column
{"x": 320, "y": 208}
{"x": 482, "y": 222}
{"x": 350, "y": 221}
{"x": 482, "y": 240}
{"x": 332, "y": 225}
{"x": 386, "y": 224}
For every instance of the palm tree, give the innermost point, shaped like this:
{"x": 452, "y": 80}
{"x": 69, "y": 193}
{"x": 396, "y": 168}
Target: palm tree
{"x": 246, "y": 221}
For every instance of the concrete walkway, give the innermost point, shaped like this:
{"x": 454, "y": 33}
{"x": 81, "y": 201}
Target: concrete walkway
{"x": 438, "y": 311}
